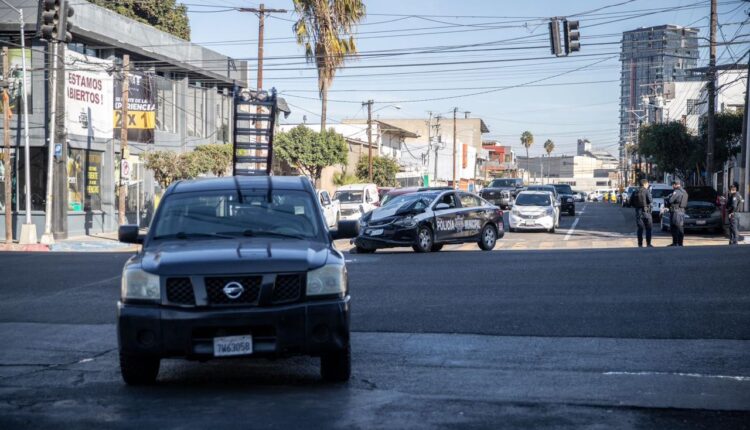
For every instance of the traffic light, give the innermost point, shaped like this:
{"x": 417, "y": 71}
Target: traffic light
{"x": 50, "y": 19}
{"x": 554, "y": 37}
{"x": 572, "y": 36}
{"x": 56, "y": 23}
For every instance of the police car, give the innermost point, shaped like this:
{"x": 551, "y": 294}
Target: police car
{"x": 430, "y": 219}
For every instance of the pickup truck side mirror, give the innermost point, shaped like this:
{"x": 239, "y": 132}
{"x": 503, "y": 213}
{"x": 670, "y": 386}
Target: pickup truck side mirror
{"x": 129, "y": 233}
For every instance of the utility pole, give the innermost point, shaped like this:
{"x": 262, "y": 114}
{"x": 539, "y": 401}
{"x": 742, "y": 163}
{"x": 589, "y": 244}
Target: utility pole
{"x": 455, "y": 111}
{"x": 745, "y": 186}
{"x": 48, "y": 238}
{"x": 438, "y": 142}
{"x": 711, "y": 98}
{"x": 261, "y": 11}
{"x": 123, "y": 190}
{"x": 369, "y": 137}
{"x": 6, "y": 154}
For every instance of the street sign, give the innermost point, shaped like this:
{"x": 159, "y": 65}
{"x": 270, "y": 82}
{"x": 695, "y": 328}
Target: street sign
{"x": 125, "y": 169}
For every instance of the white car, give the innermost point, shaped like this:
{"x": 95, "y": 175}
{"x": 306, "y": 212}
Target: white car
{"x": 331, "y": 209}
{"x": 658, "y": 193}
{"x": 534, "y": 210}
{"x": 356, "y": 200}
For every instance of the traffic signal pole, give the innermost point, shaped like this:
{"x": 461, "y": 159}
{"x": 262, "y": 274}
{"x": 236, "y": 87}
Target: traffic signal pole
{"x": 122, "y": 195}
{"x": 48, "y": 238}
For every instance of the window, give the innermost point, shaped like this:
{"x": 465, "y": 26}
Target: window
{"x": 165, "y": 105}
{"x": 449, "y": 199}
{"x": 224, "y": 118}
{"x": 692, "y": 107}
{"x": 38, "y": 171}
{"x": 196, "y": 111}
{"x": 469, "y": 201}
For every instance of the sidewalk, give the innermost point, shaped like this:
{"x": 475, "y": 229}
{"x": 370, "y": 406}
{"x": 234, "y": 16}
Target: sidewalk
{"x": 105, "y": 242}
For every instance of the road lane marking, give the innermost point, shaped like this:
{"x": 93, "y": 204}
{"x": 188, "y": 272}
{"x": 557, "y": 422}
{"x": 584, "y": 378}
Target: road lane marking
{"x": 572, "y": 228}
{"x": 690, "y": 375}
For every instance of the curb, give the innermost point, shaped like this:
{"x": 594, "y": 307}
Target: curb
{"x": 13, "y": 247}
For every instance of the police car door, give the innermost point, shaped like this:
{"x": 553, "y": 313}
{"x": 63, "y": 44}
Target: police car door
{"x": 473, "y": 215}
{"x": 445, "y": 217}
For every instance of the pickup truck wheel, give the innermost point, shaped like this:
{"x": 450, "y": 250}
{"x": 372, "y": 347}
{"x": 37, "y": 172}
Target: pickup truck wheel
{"x": 138, "y": 370}
{"x": 424, "y": 240}
{"x": 336, "y": 366}
{"x": 436, "y": 248}
{"x": 361, "y": 250}
{"x": 488, "y": 238}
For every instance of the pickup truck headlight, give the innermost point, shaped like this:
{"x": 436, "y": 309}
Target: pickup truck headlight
{"x": 569, "y": 199}
{"x": 405, "y": 222}
{"x": 329, "y": 279}
{"x": 138, "y": 284}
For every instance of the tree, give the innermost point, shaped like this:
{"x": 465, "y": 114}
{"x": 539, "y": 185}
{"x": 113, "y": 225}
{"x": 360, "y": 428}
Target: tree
{"x": 670, "y": 146}
{"x": 166, "y": 15}
{"x": 215, "y": 158}
{"x": 171, "y": 166}
{"x": 384, "y": 171}
{"x": 549, "y": 146}
{"x": 527, "y": 139}
{"x": 309, "y": 151}
{"x": 341, "y": 178}
{"x": 728, "y": 138}
{"x": 325, "y": 28}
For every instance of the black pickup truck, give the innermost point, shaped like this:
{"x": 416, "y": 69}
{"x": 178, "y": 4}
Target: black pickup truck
{"x": 502, "y": 192}
{"x": 234, "y": 267}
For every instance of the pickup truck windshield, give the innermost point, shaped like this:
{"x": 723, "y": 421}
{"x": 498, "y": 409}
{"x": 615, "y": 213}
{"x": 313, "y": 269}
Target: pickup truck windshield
{"x": 563, "y": 189}
{"x": 498, "y": 183}
{"x": 349, "y": 196}
{"x": 225, "y": 214}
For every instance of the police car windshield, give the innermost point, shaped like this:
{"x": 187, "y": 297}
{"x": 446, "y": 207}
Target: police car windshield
{"x": 227, "y": 214}
{"x": 407, "y": 199}
{"x": 349, "y": 196}
{"x": 533, "y": 200}
{"x": 660, "y": 193}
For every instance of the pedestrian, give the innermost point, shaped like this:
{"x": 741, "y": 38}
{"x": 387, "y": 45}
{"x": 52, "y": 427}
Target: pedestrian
{"x": 734, "y": 205}
{"x": 641, "y": 201}
{"x": 677, "y": 202}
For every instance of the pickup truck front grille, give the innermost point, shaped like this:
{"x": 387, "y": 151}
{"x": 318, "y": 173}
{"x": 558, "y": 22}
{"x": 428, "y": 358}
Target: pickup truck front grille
{"x": 180, "y": 291}
{"x": 216, "y": 295}
{"x": 287, "y": 288}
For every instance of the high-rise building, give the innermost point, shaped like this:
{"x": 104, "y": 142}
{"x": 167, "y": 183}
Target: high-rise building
{"x": 652, "y": 58}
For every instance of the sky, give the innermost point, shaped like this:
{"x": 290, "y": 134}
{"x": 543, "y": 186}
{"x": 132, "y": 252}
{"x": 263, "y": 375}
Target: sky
{"x": 487, "y": 57}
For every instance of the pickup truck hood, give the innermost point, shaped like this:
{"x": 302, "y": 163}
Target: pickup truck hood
{"x": 233, "y": 256}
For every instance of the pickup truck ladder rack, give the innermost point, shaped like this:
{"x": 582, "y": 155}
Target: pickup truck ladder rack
{"x": 255, "y": 115}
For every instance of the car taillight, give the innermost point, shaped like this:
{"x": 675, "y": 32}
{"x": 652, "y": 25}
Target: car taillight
{"x": 499, "y": 212}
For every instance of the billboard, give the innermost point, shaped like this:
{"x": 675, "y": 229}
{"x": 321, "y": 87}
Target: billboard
{"x": 16, "y": 79}
{"x": 88, "y": 96}
{"x": 141, "y": 120}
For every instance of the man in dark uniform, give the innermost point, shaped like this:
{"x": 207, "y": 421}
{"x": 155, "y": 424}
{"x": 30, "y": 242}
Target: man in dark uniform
{"x": 641, "y": 201}
{"x": 677, "y": 203}
{"x": 734, "y": 205}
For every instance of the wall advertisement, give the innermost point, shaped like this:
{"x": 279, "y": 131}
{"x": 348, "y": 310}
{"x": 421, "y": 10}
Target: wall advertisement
{"x": 88, "y": 96}
{"x": 141, "y": 121}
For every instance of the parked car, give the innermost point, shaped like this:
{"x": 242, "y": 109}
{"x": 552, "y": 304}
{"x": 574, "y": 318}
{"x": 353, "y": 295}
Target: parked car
{"x": 579, "y": 196}
{"x": 534, "y": 210}
{"x": 395, "y": 192}
{"x": 331, "y": 209}
{"x": 703, "y": 211}
{"x": 427, "y": 220}
{"x": 355, "y": 200}
{"x": 567, "y": 202}
{"x": 597, "y": 195}
{"x": 382, "y": 191}
{"x": 234, "y": 267}
{"x": 659, "y": 192}
{"x": 626, "y": 195}
{"x": 502, "y": 191}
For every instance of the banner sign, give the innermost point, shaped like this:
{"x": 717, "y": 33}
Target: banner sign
{"x": 141, "y": 120}
{"x": 16, "y": 80}
{"x": 88, "y": 96}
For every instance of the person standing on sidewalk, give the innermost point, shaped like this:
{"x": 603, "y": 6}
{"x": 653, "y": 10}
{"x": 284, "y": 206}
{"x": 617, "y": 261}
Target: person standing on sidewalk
{"x": 677, "y": 203}
{"x": 641, "y": 201}
{"x": 734, "y": 205}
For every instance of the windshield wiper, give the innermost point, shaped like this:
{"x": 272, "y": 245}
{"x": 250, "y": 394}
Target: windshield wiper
{"x": 183, "y": 235}
{"x": 251, "y": 233}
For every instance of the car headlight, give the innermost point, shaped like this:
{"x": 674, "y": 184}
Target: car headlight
{"x": 716, "y": 214}
{"x": 405, "y": 222}
{"x": 329, "y": 279}
{"x": 362, "y": 223}
{"x": 515, "y": 212}
{"x": 569, "y": 199}
{"x": 550, "y": 211}
{"x": 138, "y": 284}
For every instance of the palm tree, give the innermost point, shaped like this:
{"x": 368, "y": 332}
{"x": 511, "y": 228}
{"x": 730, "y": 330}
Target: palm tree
{"x": 325, "y": 29}
{"x": 527, "y": 139}
{"x": 549, "y": 146}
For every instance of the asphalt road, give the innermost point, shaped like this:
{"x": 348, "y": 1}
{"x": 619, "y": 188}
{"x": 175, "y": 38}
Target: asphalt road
{"x": 597, "y": 338}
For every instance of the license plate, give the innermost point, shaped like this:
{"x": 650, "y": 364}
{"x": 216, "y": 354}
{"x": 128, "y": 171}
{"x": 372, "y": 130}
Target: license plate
{"x": 528, "y": 223}
{"x": 700, "y": 222}
{"x": 233, "y": 345}
{"x": 376, "y": 232}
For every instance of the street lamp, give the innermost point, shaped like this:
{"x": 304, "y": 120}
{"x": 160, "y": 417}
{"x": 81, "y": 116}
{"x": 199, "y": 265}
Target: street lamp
{"x": 28, "y": 230}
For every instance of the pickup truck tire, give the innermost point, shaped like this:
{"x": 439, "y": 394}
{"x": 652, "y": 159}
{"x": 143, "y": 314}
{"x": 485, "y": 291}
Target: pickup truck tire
{"x": 336, "y": 366}
{"x": 436, "y": 248}
{"x": 361, "y": 250}
{"x": 138, "y": 370}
